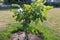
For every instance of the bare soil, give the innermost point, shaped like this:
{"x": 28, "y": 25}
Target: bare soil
{"x": 24, "y": 36}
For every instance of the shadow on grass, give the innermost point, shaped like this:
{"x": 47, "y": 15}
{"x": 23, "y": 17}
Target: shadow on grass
{"x": 8, "y": 8}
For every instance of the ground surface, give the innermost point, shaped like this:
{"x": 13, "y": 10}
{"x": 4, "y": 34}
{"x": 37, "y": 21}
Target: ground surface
{"x": 53, "y": 20}
{"x": 5, "y": 18}
{"x": 22, "y": 36}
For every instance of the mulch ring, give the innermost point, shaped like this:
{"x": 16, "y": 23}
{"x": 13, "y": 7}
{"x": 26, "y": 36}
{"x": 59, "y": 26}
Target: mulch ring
{"x": 21, "y": 35}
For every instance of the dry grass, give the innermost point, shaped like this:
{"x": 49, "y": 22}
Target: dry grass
{"x": 6, "y": 18}
{"x": 53, "y": 20}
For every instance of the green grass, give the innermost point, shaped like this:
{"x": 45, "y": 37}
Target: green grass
{"x": 6, "y": 33}
{"x": 47, "y": 33}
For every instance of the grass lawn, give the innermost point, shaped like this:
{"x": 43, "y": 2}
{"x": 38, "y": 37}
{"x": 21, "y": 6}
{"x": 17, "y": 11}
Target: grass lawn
{"x": 53, "y": 20}
{"x": 6, "y": 18}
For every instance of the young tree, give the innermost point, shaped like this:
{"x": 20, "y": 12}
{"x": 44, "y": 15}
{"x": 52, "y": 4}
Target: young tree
{"x": 35, "y": 12}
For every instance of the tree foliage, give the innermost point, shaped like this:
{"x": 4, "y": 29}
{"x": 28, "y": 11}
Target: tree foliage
{"x": 34, "y": 12}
